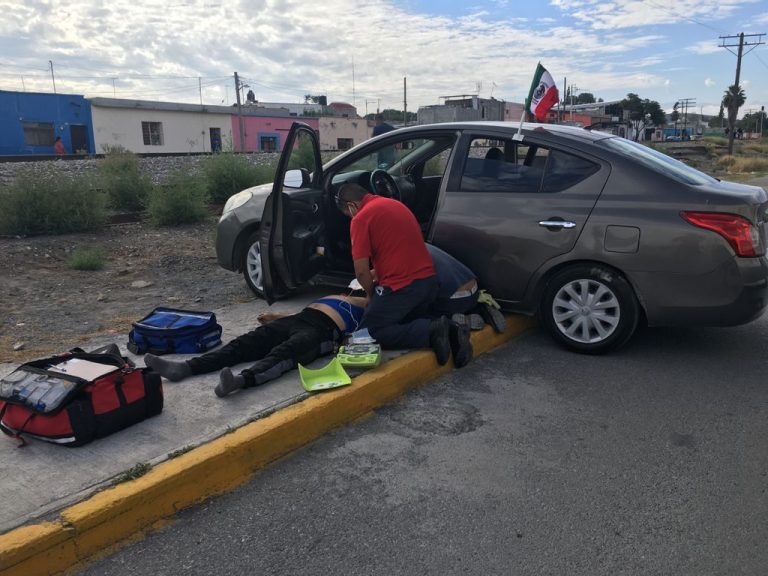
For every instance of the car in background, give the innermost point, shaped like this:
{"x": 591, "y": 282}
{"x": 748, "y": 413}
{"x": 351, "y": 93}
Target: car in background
{"x": 592, "y": 233}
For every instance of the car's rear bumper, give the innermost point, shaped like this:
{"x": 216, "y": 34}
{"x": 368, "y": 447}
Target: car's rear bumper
{"x": 734, "y": 293}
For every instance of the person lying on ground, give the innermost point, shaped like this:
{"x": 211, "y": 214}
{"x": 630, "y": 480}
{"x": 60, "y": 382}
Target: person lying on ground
{"x": 277, "y": 346}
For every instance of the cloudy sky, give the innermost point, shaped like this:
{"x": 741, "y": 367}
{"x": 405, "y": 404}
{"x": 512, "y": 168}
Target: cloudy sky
{"x": 359, "y": 51}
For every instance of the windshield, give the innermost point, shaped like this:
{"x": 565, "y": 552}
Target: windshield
{"x": 657, "y": 161}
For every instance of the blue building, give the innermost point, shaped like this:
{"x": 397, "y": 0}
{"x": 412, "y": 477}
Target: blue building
{"x": 31, "y": 121}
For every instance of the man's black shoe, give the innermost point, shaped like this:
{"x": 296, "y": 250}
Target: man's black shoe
{"x": 461, "y": 345}
{"x": 493, "y": 317}
{"x": 439, "y": 339}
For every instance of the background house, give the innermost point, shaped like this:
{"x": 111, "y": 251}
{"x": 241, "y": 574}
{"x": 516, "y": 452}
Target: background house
{"x": 144, "y": 126}
{"x": 462, "y": 109}
{"x": 339, "y": 133}
{"x": 30, "y": 122}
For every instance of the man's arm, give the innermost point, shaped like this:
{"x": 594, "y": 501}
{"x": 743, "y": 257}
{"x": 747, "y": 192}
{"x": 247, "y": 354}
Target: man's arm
{"x": 363, "y": 275}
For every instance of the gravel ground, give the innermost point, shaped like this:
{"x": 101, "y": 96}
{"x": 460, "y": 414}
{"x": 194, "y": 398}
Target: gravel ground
{"x": 49, "y": 307}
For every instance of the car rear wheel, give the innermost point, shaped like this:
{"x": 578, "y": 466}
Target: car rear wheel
{"x": 252, "y": 270}
{"x": 590, "y": 309}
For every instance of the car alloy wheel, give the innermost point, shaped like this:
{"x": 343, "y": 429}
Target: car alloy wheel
{"x": 590, "y": 309}
{"x": 252, "y": 269}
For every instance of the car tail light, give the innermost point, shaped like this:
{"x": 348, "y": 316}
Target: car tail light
{"x": 738, "y": 231}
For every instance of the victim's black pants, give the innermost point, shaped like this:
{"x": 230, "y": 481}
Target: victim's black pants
{"x": 275, "y": 348}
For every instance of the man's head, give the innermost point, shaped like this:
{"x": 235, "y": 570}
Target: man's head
{"x": 379, "y": 118}
{"x": 348, "y": 198}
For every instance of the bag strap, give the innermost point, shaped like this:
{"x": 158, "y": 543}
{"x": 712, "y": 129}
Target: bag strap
{"x": 17, "y": 434}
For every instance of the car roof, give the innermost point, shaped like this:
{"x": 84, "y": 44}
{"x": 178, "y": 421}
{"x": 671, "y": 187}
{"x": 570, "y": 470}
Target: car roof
{"x": 558, "y": 130}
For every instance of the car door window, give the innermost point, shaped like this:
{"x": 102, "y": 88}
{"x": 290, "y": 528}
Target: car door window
{"x": 503, "y": 165}
{"x": 565, "y": 170}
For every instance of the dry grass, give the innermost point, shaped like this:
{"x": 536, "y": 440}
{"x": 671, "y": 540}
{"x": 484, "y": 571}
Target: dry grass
{"x": 742, "y": 164}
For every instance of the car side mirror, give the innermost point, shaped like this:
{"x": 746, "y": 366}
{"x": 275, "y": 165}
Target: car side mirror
{"x": 298, "y": 178}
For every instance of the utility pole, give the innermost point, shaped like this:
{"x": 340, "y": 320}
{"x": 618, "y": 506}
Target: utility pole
{"x": 240, "y": 114}
{"x": 53, "y": 79}
{"x": 685, "y": 102}
{"x": 565, "y": 93}
{"x": 733, "y": 109}
{"x": 405, "y": 102}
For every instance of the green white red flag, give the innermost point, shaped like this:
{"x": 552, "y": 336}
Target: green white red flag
{"x": 543, "y": 94}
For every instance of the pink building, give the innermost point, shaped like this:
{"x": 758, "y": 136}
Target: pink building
{"x": 265, "y": 133}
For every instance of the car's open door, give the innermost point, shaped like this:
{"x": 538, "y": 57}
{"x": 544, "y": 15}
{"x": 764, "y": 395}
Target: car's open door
{"x": 292, "y": 224}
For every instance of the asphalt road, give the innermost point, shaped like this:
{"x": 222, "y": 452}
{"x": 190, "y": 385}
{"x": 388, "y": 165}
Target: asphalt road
{"x": 531, "y": 460}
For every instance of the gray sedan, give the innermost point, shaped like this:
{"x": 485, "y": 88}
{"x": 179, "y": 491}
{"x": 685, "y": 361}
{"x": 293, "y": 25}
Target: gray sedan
{"x": 591, "y": 232}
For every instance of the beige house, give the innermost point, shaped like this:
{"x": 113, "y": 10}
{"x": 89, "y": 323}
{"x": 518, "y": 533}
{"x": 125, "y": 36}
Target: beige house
{"x": 337, "y": 133}
{"x": 159, "y": 127}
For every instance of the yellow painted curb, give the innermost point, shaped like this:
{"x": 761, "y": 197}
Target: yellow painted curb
{"x": 108, "y": 517}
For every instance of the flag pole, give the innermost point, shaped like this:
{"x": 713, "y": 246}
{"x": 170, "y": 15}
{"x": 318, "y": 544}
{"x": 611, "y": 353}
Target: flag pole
{"x": 519, "y": 134}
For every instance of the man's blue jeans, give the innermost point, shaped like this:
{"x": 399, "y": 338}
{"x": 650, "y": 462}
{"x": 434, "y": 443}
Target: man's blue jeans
{"x": 400, "y": 319}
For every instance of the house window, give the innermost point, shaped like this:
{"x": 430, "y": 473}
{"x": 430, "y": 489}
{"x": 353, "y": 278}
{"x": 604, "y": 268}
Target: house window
{"x": 153, "y": 133}
{"x": 268, "y": 143}
{"x": 344, "y": 143}
{"x": 38, "y": 133}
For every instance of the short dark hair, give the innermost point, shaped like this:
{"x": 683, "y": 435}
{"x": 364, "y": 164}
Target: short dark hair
{"x": 379, "y": 117}
{"x": 349, "y": 192}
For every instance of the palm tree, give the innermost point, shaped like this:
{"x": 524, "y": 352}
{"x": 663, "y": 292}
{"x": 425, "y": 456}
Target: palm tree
{"x": 734, "y": 96}
{"x": 733, "y": 99}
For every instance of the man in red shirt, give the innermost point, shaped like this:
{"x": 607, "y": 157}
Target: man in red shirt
{"x": 387, "y": 238}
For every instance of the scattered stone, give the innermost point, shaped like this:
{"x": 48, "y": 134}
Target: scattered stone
{"x": 100, "y": 297}
{"x": 18, "y": 346}
{"x": 141, "y": 283}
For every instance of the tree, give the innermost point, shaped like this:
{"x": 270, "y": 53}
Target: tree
{"x": 733, "y": 99}
{"x": 642, "y": 113}
{"x": 753, "y": 121}
{"x": 717, "y": 121}
{"x": 585, "y": 98}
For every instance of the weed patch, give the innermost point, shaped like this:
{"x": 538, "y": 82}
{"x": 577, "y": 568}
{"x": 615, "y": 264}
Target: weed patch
{"x": 182, "y": 200}
{"x": 87, "y": 259}
{"x": 39, "y": 204}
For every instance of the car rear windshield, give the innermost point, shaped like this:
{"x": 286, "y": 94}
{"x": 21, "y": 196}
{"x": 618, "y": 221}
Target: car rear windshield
{"x": 657, "y": 161}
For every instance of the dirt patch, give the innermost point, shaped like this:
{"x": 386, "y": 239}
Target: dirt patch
{"x": 48, "y": 307}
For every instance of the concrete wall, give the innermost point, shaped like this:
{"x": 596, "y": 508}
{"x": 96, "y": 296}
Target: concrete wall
{"x": 332, "y": 129}
{"x": 183, "y": 132}
{"x": 65, "y": 113}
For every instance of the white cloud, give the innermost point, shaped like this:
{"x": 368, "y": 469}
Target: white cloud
{"x": 708, "y": 82}
{"x": 618, "y": 14}
{"x": 705, "y": 47}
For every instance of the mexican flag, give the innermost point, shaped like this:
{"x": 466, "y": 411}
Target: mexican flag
{"x": 543, "y": 94}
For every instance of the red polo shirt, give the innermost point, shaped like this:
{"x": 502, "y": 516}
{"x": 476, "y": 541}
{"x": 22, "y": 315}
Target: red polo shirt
{"x": 387, "y": 232}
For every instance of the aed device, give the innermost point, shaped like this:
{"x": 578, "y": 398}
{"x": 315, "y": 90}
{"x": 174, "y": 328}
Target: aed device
{"x": 359, "y": 355}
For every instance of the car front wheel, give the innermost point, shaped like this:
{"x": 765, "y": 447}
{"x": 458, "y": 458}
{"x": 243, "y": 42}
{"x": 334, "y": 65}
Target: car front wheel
{"x": 252, "y": 270}
{"x": 591, "y": 309}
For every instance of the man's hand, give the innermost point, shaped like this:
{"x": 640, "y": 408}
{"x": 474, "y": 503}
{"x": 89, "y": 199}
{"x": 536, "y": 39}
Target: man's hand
{"x": 267, "y": 317}
{"x": 363, "y": 275}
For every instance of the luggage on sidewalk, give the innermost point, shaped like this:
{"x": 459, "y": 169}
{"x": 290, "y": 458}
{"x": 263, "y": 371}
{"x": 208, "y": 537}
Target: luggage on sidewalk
{"x": 172, "y": 331}
{"x": 73, "y": 398}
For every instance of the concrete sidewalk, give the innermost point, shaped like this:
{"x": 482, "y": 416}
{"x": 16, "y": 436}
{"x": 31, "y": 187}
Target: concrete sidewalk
{"x": 60, "y": 507}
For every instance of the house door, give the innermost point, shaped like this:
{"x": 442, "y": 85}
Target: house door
{"x": 215, "y": 139}
{"x": 78, "y": 135}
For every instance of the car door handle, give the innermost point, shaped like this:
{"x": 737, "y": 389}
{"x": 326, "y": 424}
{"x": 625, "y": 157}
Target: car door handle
{"x": 557, "y": 224}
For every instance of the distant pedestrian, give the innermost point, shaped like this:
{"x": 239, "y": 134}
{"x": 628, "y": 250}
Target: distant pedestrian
{"x": 58, "y": 147}
{"x": 381, "y": 127}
